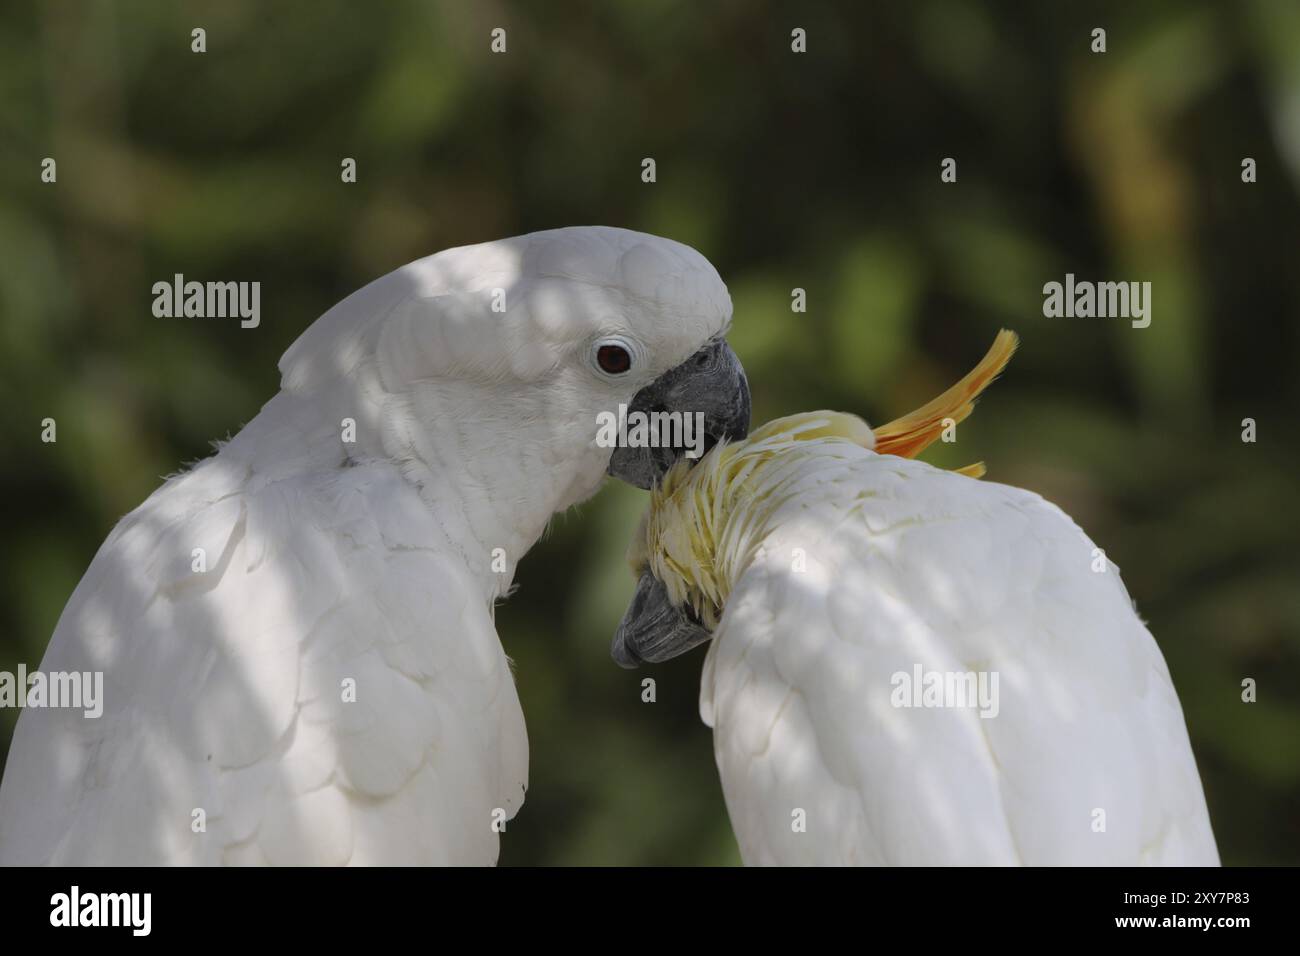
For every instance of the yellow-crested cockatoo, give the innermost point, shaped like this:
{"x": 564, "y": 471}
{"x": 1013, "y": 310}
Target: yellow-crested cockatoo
{"x": 296, "y": 636}
{"x": 909, "y": 666}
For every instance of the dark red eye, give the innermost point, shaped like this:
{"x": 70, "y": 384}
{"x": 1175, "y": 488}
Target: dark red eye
{"x": 613, "y": 359}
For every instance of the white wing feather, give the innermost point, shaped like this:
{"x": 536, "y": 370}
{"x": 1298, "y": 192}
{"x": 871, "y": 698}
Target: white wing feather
{"x": 908, "y": 565}
{"x": 224, "y": 689}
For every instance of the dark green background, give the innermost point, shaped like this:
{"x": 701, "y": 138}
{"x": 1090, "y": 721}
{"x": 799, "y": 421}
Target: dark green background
{"x": 819, "y": 171}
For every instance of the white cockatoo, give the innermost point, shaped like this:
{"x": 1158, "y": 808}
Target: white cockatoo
{"x": 296, "y": 635}
{"x": 910, "y": 666}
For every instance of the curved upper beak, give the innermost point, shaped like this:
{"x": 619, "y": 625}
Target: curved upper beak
{"x": 710, "y": 396}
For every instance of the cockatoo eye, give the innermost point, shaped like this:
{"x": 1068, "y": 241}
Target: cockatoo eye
{"x": 613, "y": 358}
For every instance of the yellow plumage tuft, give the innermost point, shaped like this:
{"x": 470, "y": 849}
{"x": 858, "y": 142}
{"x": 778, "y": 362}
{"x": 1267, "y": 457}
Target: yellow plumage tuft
{"x": 821, "y": 424}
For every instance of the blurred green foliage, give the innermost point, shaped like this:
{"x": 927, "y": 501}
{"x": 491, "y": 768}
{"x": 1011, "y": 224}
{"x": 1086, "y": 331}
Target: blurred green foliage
{"x": 818, "y": 171}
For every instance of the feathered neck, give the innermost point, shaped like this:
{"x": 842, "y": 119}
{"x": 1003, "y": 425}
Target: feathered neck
{"x": 705, "y": 522}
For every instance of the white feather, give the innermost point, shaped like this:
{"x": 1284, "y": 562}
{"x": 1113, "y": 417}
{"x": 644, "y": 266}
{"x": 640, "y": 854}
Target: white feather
{"x": 333, "y": 564}
{"x": 909, "y": 565}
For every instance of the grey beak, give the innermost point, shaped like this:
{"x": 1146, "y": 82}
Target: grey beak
{"x": 652, "y": 629}
{"x": 712, "y": 381}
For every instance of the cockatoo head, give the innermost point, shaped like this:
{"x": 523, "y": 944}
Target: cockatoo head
{"x": 498, "y": 367}
{"x": 703, "y": 525}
